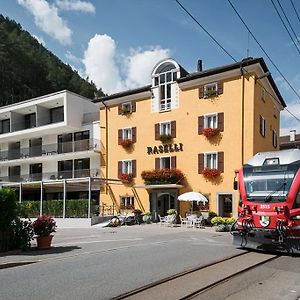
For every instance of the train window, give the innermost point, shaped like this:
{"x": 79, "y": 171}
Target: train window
{"x": 297, "y": 201}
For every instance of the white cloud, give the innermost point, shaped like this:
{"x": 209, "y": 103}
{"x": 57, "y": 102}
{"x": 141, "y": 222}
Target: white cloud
{"x": 100, "y": 62}
{"x": 289, "y": 122}
{"x": 77, "y": 5}
{"x": 47, "y": 19}
{"x": 141, "y": 63}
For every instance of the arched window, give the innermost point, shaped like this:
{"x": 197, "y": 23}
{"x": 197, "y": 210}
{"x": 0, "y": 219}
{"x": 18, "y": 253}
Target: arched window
{"x": 164, "y": 76}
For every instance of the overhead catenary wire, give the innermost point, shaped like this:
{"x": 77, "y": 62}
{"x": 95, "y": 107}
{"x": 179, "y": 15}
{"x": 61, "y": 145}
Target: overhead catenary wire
{"x": 288, "y": 21}
{"x": 263, "y": 50}
{"x": 285, "y": 26}
{"x": 211, "y": 36}
{"x": 296, "y": 12}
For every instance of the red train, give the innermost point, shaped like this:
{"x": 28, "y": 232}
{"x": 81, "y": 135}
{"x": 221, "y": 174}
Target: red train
{"x": 269, "y": 206}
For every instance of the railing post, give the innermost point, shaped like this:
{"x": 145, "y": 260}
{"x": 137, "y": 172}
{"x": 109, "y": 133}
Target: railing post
{"x": 41, "y": 199}
{"x": 89, "y": 203}
{"x": 64, "y": 199}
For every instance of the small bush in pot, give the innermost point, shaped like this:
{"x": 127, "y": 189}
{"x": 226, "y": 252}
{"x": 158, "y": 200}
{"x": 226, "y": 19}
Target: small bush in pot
{"x": 43, "y": 226}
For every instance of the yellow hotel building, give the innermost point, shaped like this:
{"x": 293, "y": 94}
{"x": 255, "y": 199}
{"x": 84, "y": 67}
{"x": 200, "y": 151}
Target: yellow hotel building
{"x": 186, "y": 132}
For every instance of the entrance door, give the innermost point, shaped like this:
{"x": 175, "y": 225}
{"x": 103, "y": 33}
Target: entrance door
{"x": 165, "y": 201}
{"x": 225, "y": 205}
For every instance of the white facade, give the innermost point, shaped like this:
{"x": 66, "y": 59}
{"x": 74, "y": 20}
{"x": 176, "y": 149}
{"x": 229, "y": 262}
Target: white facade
{"x": 48, "y": 142}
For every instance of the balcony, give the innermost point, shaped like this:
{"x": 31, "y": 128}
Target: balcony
{"x": 50, "y": 149}
{"x": 59, "y": 175}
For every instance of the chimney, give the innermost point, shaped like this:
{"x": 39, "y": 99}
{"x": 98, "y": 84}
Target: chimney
{"x": 199, "y": 65}
{"x": 292, "y": 135}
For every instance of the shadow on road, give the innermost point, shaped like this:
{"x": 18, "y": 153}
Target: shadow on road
{"x": 37, "y": 252}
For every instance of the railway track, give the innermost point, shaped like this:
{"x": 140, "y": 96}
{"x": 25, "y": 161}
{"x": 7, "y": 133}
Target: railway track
{"x": 192, "y": 283}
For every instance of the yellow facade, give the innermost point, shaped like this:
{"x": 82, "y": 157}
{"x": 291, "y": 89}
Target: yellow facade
{"x": 241, "y": 104}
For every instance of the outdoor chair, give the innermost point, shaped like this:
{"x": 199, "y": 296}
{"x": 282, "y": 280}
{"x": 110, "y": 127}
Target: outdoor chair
{"x": 183, "y": 221}
{"x": 198, "y": 222}
{"x": 162, "y": 220}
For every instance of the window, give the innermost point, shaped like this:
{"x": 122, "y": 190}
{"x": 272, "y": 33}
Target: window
{"x": 5, "y": 126}
{"x": 165, "y": 128}
{"x": 165, "y": 162}
{"x": 127, "y": 133}
{"x": 210, "y": 90}
{"x": 35, "y": 147}
{"x": 164, "y": 80}
{"x": 81, "y": 140}
{"x": 126, "y": 166}
{"x": 65, "y": 169}
{"x": 126, "y": 108}
{"x": 30, "y": 120}
{"x": 297, "y": 201}
{"x": 211, "y": 121}
{"x": 82, "y": 167}
{"x": 65, "y": 143}
{"x": 127, "y": 202}
{"x": 36, "y": 171}
{"x": 274, "y": 139}
{"x": 210, "y": 160}
{"x": 14, "y": 173}
{"x": 57, "y": 114}
{"x": 262, "y": 126}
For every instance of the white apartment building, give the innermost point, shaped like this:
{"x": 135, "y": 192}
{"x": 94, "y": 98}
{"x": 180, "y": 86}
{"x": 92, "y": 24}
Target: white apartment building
{"x": 49, "y": 151}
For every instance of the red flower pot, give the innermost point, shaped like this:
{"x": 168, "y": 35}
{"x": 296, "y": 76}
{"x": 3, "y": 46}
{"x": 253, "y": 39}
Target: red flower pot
{"x": 44, "y": 242}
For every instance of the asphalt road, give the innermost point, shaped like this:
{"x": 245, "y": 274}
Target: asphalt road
{"x": 99, "y": 263}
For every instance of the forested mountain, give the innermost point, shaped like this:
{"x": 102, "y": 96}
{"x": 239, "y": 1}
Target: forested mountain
{"x": 28, "y": 69}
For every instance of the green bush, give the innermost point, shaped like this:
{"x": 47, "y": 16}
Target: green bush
{"x": 77, "y": 208}
{"x": 29, "y": 209}
{"x": 171, "y": 211}
{"x": 22, "y": 234}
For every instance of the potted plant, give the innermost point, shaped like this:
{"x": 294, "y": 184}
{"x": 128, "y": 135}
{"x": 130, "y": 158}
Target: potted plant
{"x": 210, "y": 93}
{"x": 126, "y": 177}
{"x": 163, "y": 176}
{"x": 210, "y": 132}
{"x": 147, "y": 217}
{"x": 210, "y": 173}
{"x": 165, "y": 138}
{"x": 126, "y": 143}
{"x": 43, "y": 226}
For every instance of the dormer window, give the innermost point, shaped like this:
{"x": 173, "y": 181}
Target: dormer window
{"x": 126, "y": 108}
{"x": 210, "y": 90}
{"x": 164, "y": 76}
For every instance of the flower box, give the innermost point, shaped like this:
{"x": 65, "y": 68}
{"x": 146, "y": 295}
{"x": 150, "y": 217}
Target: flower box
{"x": 126, "y": 178}
{"x": 165, "y": 138}
{"x": 126, "y": 143}
{"x": 210, "y": 132}
{"x": 210, "y": 173}
{"x": 210, "y": 93}
{"x": 163, "y": 176}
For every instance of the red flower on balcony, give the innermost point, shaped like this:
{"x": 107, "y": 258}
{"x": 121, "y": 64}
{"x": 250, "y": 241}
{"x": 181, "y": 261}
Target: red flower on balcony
{"x": 210, "y": 173}
{"x": 126, "y": 177}
{"x": 210, "y": 132}
{"x": 163, "y": 176}
{"x": 126, "y": 143}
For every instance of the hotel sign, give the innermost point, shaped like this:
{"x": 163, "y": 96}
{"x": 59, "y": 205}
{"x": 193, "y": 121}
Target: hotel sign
{"x": 167, "y": 148}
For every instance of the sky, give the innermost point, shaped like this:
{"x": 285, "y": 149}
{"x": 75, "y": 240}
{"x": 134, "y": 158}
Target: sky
{"x": 116, "y": 43}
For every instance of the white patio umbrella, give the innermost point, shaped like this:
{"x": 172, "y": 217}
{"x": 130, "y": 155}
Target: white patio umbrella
{"x": 193, "y": 196}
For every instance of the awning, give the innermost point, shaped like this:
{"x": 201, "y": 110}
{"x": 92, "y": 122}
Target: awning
{"x": 158, "y": 186}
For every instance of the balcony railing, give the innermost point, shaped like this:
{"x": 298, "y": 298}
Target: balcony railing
{"x": 50, "y": 149}
{"x": 68, "y": 174}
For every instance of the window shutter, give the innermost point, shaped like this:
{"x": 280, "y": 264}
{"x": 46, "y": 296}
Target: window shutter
{"x": 200, "y": 163}
{"x": 119, "y": 168}
{"x": 220, "y": 87}
{"x": 120, "y": 109}
{"x": 133, "y": 132}
{"x": 200, "y": 124}
{"x": 120, "y": 136}
{"x": 133, "y": 106}
{"x": 201, "y": 91}
{"x": 134, "y": 167}
{"x": 173, "y": 129}
{"x": 173, "y": 162}
{"x": 221, "y": 121}
{"x": 157, "y": 163}
{"x": 221, "y": 162}
{"x": 157, "y": 133}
